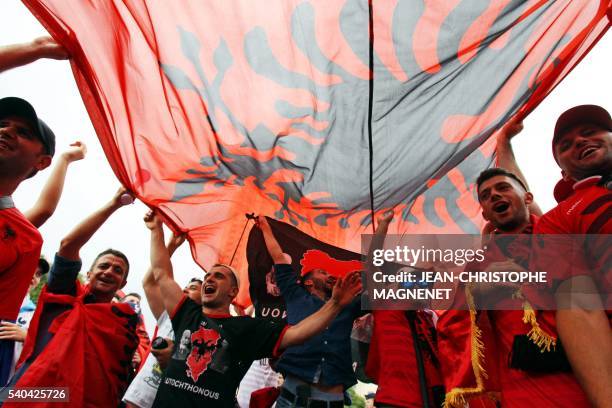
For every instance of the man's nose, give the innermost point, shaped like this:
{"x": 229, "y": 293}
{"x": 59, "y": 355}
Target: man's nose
{"x": 7, "y": 132}
{"x": 580, "y": 141}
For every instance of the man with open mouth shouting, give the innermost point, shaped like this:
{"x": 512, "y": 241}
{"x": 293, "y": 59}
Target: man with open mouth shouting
{"x": 220, "y": 348}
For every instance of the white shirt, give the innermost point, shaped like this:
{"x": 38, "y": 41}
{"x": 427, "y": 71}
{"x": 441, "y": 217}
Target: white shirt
{"x": 143, "y": 388}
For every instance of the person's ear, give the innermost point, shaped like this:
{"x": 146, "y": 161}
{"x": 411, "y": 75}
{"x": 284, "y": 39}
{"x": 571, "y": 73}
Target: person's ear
{"x": 43, "y": 162}
{"x": 565, "y": 176}
{"x": 233, "y": 292}
{"x": 89, "y": 272}
{"x": 308, "y": 283}
{"x": 528, "y": 198}
{"x": 484, "y": 216}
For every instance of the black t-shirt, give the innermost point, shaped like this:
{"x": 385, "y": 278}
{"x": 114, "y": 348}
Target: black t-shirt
{"x": 211, "y": 355}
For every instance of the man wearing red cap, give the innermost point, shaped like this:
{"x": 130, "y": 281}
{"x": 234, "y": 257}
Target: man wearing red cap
{"x": 582, "y": 146}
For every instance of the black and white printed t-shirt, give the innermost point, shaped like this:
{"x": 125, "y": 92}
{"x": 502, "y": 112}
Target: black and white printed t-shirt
{"x": 211, "y": 355}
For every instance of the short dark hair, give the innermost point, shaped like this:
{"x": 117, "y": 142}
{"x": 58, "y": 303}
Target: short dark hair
{"x": 136, "y": 295}
{"x": 497, "y": 171}
{"x": 195, "y": 280}
{"x": 233, "y": 273}
{"x": 113, "y": 252}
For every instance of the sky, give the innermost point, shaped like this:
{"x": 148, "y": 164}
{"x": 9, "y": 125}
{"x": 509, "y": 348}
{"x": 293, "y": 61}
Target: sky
{"x": 49, "y": 86}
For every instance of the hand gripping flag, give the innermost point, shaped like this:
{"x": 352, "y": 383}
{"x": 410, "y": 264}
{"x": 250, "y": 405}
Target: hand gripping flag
{"x": 321, "y": 113}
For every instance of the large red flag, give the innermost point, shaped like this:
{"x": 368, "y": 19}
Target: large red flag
{"x": 319, "y": 113}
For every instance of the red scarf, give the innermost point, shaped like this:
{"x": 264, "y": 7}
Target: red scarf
{"x": 466, "y": 341}
{"x": 468, "y": 359}
{"x": 90, "y": 352}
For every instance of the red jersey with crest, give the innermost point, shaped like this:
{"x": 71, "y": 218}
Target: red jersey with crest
{"x": 588, "y": 212}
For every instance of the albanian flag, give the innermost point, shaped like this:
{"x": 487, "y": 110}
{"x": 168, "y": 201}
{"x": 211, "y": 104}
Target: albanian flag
{"x": 320, "y": 113}
{"x": 306, "y": 254}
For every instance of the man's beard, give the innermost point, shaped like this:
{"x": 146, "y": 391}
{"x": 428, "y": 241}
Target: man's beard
{"x": 511, "y": 224}
{"x": 211, "y": 304}
{"x": 324, "y": 287}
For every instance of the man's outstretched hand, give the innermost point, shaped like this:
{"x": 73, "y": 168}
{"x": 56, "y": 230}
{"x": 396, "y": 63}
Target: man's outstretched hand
{"x": 164, "y": 355}
{"x": 385, "y": 218}
{"x": 77, "y": 151}
{"x": 152, "y": 221}
{"x": 261, "y": 222}
{"x": 176, "y": 240}
{"x": 510, "y": 129}
{"x": 122, "y": 197}
{"x": 47, "y": 47}
{"x": 11, "y": 331}
{"x": 347, "y": 288}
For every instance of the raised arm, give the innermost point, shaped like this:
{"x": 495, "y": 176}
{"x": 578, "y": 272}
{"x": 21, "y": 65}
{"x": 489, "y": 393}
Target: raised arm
{"x": 506, "y": 158}
{"x": 52, "y": 191}
{"x": 160, "y": 264}
{"x": 344, "y": 293}
{"x": 584, "y": 330}
{"x": 12, "y": 56}
{"x": 274, "y": 249}
{"x": 378, "y": 240}
{"x": 286, "y": 279}
{"x": 149, "y": 284}
{"x": 176, "y": 240}
{"x": 74, "y": 241}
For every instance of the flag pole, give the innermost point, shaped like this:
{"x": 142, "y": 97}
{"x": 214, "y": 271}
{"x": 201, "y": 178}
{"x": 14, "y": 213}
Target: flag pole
{"x": 411, "y": 315}
{"x": 249, "y": 217}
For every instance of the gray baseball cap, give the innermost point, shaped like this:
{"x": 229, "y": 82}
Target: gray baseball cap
{"x": 13, "y": 106}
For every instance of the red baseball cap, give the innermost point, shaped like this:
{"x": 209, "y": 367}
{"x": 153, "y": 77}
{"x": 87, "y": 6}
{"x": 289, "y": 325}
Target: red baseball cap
{"x": 579, "y": 115}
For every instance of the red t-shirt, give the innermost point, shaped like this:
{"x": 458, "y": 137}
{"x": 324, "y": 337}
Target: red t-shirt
{"x": 392, "y": 361}
{"x": 586, "y": 212}
{"x": 20, "y": 244}
{"x": 523, "y": 389}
